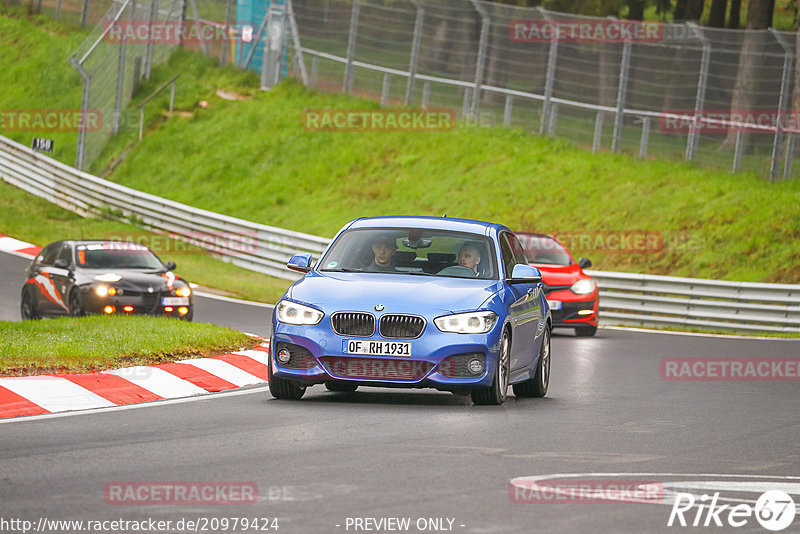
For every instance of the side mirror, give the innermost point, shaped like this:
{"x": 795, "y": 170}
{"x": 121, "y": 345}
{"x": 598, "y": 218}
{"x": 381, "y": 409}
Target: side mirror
{"x": 61, "y": 264}
{"x": 584, "y": 263}
{"x": 525, "y": 274}
{"x": 170, "y": 265}
{"x": 300, "y": 263}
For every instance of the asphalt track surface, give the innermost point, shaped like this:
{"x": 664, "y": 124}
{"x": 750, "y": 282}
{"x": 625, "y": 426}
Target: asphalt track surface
{"x": 414, "y": 453}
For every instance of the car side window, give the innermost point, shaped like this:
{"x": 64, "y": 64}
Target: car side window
{"x": 517, "y": 250}
{"x": 48, "y": 255}
{"x": 66, "y": 254}
{"x": 507, "y": 256}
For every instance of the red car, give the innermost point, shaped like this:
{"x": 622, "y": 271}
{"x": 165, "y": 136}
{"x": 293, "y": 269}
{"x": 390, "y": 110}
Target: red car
{"x": 572, "y": 294}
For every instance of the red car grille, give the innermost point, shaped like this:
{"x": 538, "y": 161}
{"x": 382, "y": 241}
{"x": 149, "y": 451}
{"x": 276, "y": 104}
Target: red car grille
{"x": 377, "y": 368}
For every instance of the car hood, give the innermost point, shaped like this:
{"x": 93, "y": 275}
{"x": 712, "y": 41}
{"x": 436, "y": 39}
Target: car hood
{"x": 559, "y": 275}
{"x": 398, "y": 293}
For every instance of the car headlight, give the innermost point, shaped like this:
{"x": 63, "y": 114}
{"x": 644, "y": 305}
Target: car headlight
{"x": 293, "y": 313}
{"x": 583, "y": 287}
{"x": 478, "y": 322}
{"x": 104, "y": 291}
{"x": 183, "y": 291}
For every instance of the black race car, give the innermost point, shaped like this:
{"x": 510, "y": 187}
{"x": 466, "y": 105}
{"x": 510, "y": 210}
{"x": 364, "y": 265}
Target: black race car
{"x": 106, "y": 277}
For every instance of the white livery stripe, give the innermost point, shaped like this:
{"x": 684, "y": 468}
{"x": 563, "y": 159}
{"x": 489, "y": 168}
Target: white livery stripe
{"x": 224, "y": 370}
{"x": 55, "y": 394}
{"x": 260, "y": 356}
{"x": 158, "y": 381}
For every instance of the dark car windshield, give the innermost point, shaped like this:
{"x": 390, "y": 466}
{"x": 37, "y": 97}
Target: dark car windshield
{"x": 543, "y": 249}
{"x": 113, "y": 255}
{"x": 412, "y": 251}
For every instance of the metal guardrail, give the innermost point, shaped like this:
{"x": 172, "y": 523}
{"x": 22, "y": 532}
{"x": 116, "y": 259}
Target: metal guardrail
{"x": 254, "y": 246}
{"x": 631, "y": 299}
{"x": 650, "y": 300}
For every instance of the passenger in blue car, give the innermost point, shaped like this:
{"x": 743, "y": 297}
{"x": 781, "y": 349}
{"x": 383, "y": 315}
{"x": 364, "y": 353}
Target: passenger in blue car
{"x": 469, "y": 256}
{"x": 383, "y": 248}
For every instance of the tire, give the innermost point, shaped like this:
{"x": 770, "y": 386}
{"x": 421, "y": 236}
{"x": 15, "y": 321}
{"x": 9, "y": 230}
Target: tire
{"x": 341, "y": 387}
{"x": 539, "y": 384}
{"x": 496, "y": 394}
{"x": 27, "y": 305}
{"x": 75, "y": 304}
{"x": 585, "y": 331}
{"x": 280, "y": 388}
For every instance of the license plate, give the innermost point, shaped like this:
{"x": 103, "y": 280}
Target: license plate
{"x": 376, "y": 348}
{"x": 175, "y": 301}
{"x": 554, "y": 304}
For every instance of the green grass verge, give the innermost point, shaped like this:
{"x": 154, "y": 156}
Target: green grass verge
{"x": 97, "y": 343}
{"x": 29, "y": 218}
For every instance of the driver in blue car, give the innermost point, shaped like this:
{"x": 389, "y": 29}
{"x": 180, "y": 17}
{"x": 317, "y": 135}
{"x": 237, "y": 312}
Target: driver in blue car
{"x": 383, "y": 249}
{"x": 469, "y": 256}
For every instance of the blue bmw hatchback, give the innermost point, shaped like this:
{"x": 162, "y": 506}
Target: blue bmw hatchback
{"x": 415, "y": 302}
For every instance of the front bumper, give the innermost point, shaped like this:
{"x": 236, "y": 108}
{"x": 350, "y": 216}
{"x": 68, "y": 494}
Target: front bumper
{"x": 568, "y": 315}
{"x": 141, "y": 304}
{"x": 322, "y": 359}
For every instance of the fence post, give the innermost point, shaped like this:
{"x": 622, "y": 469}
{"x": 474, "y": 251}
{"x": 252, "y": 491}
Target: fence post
{"x": 694, "y": 129}
{"x": 549, "y": 81}
{"x": 737, "y": 151}
{"x": 784, "y": 96}
{"x": 385, "y": 90}
{"x": 416, "y": 43}
{"x": 148, "y": 57}
{"x": 351, "y": 46}
{"x": 787, "y": 164}
{"x": 58, "y": 8}
{"x": 645, "y": 137}
{"x": 87, "y": 83}
{"x": 426, "y": 94}
{"x": 507, "y": 112}
{"x": 85, "y": 13}
{"x": 622, "y": 92}
{"x": 486, "y": 24}
{"x": 203, "y": 43}
{"x": 120, "y": 78}
{"x": 598, "y": 131}
{"x": 298, "y": 48}
{"x": 223, "y": 58}
{"x": 312, "y": 82}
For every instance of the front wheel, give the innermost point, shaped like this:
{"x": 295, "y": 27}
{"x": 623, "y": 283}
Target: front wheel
{"x": 280, "y": 388}
{"x": 538, "y": 385}
{"x": 585, "y": 331}
{"x": 27, "y": 307}
{"x": 497, "y": 392}
{"x": 75, "y": 305}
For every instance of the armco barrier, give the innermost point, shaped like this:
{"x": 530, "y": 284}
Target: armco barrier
{"x": 86, "y": 195}
{"x": 632, "y": 299}
{"x": 650, "y": 300}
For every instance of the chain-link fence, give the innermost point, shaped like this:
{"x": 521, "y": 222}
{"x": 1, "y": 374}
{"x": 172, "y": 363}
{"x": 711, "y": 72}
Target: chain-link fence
{"x": 718, "y": 97}
{"x": 112, "y": 61}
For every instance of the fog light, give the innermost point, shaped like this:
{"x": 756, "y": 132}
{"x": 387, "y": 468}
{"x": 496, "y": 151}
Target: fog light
{"x": 284, "y": 355}
{"x": 112, "y": 291}
{"x": 183, "y": 310}
{"x": 109, "y": 309}
{"x": 128, "y": 309}
{"x": 585, "y": 312}
{"x": 475, "y": 366}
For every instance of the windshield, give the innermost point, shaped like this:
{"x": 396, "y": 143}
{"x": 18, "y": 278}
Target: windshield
{"x": 117, "y": 255}
{"x": 545, "y": 250}
{"x": 412, "y": 251}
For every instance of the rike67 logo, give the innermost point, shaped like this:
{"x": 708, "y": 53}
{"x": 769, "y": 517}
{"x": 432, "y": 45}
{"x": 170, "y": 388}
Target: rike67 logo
{"x": 774, "y": 510}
